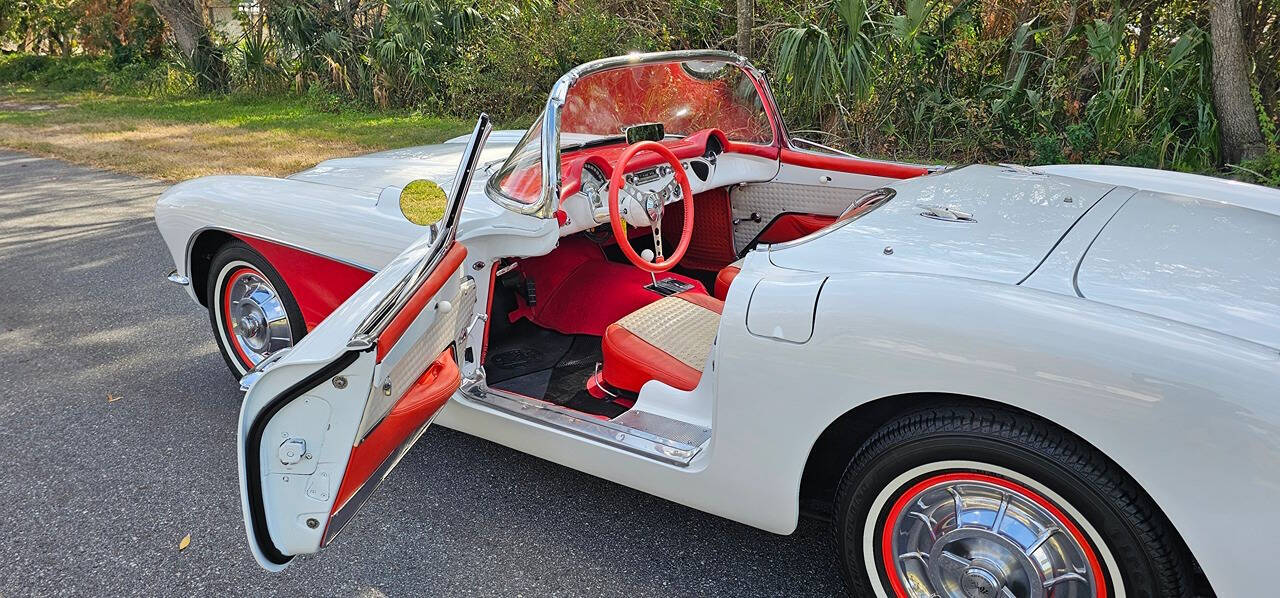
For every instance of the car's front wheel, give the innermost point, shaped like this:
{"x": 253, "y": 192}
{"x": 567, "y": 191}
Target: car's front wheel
{"x": 968, "y": 503}
{"x": 252, "y": 312}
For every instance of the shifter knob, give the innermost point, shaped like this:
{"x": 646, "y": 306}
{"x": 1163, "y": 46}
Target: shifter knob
{"x": 647, "y": 255}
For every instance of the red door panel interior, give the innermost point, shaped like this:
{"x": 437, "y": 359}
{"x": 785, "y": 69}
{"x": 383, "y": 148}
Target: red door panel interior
{"x": 427, "y": 395}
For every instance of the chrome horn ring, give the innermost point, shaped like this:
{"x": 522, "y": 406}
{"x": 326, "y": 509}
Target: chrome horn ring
{"x": 978, "y": 536}
{"x": 255, "y": 317}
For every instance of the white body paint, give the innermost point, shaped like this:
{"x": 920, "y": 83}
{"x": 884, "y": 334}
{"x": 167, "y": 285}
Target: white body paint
{"x": 1039, "y": 304}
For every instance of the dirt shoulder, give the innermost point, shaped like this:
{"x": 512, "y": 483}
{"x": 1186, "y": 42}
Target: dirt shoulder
{"x": 173, "y": 139}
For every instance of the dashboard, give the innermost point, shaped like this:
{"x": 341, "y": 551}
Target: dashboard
{"x": 709, "y": 160}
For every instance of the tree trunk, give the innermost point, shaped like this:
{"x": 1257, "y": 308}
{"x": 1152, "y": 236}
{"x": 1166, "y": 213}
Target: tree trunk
{"x": 1144, "y": 28}
{"x": 191, "y": 33}
{"x": 746, "y": 20}
{"x": 1232, "y": 100}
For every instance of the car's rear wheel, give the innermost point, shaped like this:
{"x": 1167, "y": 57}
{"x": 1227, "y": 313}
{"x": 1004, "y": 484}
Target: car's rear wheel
{"x": 252, "y": 312}
{"x": 967, "y": 503}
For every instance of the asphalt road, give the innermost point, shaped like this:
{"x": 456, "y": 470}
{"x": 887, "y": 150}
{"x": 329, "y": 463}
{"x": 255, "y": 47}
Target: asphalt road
{"x": 95, "y": 495}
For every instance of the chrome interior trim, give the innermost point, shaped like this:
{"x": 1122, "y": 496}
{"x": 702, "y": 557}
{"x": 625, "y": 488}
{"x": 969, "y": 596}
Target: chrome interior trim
{"x": 874, "y": 198}
{"x": 607, "y": 432}
{"x": 815, "y": 144}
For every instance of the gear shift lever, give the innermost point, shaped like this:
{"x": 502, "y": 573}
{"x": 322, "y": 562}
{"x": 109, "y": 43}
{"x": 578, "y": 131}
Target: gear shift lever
{"x": 647, "y": 255}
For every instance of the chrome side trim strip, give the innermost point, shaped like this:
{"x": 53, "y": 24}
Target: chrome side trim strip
{"x": 605, "y": 432}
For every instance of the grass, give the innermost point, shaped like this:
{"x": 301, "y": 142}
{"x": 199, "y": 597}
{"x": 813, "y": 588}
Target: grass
{"x": 176, "y": 138}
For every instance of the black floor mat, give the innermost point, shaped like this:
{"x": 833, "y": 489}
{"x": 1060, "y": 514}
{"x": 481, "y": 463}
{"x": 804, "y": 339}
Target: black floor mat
{"x": 584, "y": 402}
{"x": 529, "y": 385}
{"x": 546, "y": 365}
{"x": 524, "y": 350}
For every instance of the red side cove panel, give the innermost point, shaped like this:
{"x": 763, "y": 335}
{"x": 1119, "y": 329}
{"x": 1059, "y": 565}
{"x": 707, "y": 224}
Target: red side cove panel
{"x": 447, "y": 268}
{"x": 319, "y": 284}
{"x": 851, "y": 165}
{"x": 427, "y": 395}
{"x": 789, "y": 227}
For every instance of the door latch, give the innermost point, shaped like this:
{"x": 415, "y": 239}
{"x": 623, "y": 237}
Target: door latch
{"x": 292, "y": 450}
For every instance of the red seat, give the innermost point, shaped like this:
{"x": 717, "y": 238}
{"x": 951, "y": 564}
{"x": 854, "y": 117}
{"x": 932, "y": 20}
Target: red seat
{"x": 786, "y": 227}
{"x": 791, "y": 226}
{"x": 725, "y": 278}
{"x": 668, "y": 340}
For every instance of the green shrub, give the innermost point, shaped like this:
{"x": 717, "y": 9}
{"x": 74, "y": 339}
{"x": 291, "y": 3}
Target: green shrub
{"x": 73, "y": 73}
{"x": 1048, "y": 149}
{"x": 1263, "y": 171}
{"x": 92, "y": 73}
{"x": 1081, "y": 140}
{"x": 513, "y": 60}
{"x": 23, "y": 68}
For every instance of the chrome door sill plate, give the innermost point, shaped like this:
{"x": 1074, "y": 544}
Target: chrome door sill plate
{"x": 633, "y": 431}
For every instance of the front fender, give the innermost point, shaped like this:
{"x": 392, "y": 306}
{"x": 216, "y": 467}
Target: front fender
{"x": 346, "y": 225}
{"x": 1190, "y": 414}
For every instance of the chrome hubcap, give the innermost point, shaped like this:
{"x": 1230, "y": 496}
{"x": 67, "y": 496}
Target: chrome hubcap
{"x": 259, "y": 323}
{"x": 977, "y": 539}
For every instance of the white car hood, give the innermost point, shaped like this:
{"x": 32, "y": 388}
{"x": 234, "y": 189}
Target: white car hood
{"x": 396, "y": 168}
{"x": 1017, "y": 218}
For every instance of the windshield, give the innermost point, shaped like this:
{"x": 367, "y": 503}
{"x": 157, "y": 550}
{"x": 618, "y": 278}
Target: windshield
{"x": 686, "y": 97}
{"x": 520, "y": 178}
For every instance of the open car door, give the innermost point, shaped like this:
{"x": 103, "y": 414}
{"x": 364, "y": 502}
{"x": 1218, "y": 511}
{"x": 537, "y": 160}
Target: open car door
{"x": 323, "y": 424}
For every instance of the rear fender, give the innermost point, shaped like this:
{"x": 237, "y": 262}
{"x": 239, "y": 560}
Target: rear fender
{"x": 1190, "y": 414}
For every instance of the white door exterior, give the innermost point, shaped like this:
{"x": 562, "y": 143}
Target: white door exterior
{"x": 324, "y": 423}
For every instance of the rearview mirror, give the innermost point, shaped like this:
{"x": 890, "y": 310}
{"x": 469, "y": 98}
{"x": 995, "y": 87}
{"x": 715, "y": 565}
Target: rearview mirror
{"x": 645, "y": 132}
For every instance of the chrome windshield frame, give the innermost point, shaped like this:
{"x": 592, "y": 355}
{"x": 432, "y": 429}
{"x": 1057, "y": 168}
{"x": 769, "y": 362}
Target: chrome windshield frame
{"x": 549, "y": 194}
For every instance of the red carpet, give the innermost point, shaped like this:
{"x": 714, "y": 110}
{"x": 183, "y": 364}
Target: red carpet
{"x": 579, "y": 291}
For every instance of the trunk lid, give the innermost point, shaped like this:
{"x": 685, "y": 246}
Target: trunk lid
{"x": 991, "y": 223}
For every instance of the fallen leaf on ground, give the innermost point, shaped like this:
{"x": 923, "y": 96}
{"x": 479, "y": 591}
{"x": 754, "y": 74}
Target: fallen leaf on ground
{"x": 112, "y": 398}
{"x": 186, "y": 541}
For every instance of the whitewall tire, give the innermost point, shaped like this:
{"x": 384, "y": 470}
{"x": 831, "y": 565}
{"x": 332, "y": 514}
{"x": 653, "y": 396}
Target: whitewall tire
{"x": 978, "y": 503}
{"x": 251, "y": 310}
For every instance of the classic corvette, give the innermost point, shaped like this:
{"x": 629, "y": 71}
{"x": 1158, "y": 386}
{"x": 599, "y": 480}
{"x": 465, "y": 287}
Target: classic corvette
{"x": 994, "y": 380}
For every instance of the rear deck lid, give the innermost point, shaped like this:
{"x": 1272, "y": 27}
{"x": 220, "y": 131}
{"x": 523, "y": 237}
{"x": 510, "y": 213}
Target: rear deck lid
{"x": 986, "y": 222}
{"x": 1197, "y": 261}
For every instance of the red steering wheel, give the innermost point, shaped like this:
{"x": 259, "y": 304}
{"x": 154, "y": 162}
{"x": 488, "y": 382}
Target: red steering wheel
{"x": 653, "y": 203}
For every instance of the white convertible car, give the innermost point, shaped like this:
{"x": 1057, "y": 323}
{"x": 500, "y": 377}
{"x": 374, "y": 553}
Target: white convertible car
{"x": 995, "y": 380}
